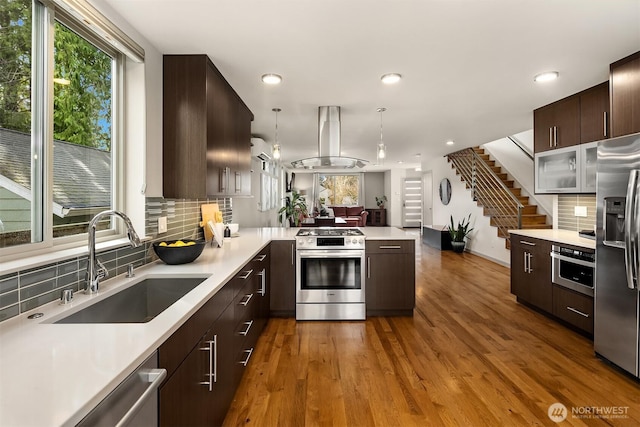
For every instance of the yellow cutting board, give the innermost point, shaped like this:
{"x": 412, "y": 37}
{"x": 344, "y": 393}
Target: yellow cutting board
{"x": 208, "y": 213}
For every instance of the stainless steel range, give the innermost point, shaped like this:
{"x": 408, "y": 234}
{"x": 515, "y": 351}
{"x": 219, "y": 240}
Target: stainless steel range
{"x": 330, "y": 280}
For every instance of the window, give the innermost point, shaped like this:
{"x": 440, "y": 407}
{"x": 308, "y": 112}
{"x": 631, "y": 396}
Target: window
{"x": 58, "y": 121}
{"x": 339, "y": 190}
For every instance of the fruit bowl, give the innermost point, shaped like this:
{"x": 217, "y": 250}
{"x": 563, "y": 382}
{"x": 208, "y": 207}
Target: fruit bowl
{"x": 178, "y": 251}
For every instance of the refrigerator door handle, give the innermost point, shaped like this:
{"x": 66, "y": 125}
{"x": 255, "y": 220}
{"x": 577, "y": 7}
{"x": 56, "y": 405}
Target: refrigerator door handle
{"x": 631, "y": 233}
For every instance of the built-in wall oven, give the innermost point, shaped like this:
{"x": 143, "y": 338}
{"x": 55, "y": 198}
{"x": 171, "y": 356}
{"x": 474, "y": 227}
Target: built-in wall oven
{"x": 573, "y": 268}
{"x": 330, "y": 277}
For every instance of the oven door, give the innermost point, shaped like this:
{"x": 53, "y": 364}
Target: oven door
{"x": 573, "y": 273}
{"x": 330, "y": 276}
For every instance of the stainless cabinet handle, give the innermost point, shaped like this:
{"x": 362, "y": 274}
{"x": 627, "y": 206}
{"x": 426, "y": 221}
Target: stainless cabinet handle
{"x": 263, "y": 282}
{"x": 246, "y": 275}
{"x": 368, "y": 267}
{"x": 555, "y": 136}
{"x": 260, "y": 257}
{"x": 293, "y": 251}
{"x": 551, "y": 137}
{"x": 526, "y": 258}
{"x": 390, "y": 247}
{"x": 530, "y": 256}
{"x": 244, "y": 302}
{"x": 245, "y": 361}
{"x": 604, "y": 123}
{"x": 212, "y": 348}
{"x": 154, "y": 377}
{"x": 578, "y": 312}
{"x": 524, "y": 242}
{"x": 246, "y": 331}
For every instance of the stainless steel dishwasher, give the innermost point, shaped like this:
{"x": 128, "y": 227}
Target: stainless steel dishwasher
{"x": 134, "y": 402}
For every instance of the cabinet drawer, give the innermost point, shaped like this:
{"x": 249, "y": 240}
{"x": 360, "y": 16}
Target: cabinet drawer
{"x": 573, "y": 307}
{"x": 244, "y": 303}
{"x": 390, "y": 246}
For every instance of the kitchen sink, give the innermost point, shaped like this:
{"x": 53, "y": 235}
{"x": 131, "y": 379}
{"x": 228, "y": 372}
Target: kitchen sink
{"x": 139, "y": 303}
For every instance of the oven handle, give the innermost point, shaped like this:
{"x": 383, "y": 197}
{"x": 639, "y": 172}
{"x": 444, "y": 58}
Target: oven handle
{"x": 573, "y": 260}
{"x": 331, "y": 254}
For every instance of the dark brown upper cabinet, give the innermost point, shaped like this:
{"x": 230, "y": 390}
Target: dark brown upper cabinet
{"x": 594, "y": 113}
{"x": 206, "y": 131}
{"x": 557, "y": 125}
{"x": 624, "y": 83}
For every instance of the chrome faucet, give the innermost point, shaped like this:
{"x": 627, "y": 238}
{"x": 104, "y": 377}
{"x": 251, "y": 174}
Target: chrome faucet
{"x": 95, "y": 269}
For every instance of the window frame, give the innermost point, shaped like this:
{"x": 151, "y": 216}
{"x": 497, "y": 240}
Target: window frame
{"x": 44, "y": 17}
{"x": 360, "y": 175}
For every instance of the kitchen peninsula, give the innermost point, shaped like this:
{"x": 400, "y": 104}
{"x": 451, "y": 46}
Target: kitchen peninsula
{"x": 80, "y": 364}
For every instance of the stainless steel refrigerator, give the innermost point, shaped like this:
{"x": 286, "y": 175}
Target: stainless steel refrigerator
{"x": 617, "y": 313}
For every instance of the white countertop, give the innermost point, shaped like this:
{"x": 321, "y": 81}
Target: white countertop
{"x": 560, "y": 236}
{"x": 54, "y": 374}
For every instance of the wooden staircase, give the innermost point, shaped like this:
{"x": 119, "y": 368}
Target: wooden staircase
{"x": 492, "y": 197}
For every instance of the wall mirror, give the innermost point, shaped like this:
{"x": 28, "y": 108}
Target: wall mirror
{"x": 445, "y": 191}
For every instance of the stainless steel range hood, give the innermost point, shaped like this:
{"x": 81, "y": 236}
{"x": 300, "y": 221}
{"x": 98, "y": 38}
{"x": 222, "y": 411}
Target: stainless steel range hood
{"x": 329, "y": 144}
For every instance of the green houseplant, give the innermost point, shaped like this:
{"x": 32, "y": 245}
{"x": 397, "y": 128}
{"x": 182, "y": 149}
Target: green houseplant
{"x": 380, "y": 201}
{"x": 459, "y": 233}
{"x": 294, "y": 210}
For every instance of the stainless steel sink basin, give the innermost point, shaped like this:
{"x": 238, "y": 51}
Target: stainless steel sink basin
{"x": 137, "y": 304}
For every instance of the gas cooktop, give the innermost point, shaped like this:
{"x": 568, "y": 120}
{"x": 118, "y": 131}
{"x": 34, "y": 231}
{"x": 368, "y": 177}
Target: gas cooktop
{"x": 330, "y": 232}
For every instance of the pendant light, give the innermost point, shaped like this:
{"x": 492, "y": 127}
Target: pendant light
{"x": 382, "y": 150}
{"x": 276, "y": 146}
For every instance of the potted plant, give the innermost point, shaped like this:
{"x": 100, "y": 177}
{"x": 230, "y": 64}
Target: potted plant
{"x": 294, "y": 210}
{"x": 459, "y": 232}
{"x": 380, "y": 201}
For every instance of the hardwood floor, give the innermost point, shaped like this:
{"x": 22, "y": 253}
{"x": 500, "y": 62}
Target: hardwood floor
{"x": 470, "y": 356}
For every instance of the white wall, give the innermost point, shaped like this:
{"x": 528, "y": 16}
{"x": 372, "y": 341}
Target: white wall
{"x": 484, "y": 238}
{"x": 373, "y": 187}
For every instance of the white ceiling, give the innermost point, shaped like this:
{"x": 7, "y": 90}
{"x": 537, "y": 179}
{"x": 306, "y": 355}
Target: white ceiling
{"x": 467, "y": 65}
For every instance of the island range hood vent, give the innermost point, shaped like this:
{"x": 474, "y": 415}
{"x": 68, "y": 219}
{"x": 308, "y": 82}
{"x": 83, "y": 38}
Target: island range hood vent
{"x": 329, "y": 156}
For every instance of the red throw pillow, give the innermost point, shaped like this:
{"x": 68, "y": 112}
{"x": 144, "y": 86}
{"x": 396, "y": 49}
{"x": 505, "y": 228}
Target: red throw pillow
{"x": 354, "y": 210}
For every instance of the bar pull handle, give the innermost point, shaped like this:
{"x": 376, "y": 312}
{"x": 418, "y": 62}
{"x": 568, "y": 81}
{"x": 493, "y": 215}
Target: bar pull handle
{"x": 526, "y": 258}
{"x": 524, "y": 242}
{"x": 368, "y": 267}
{"x": 245, "y": 275}
{"x": 212, "y": 348}
{"x": 604, "y": 123}
{"x": 578, "y": 312}
{"x": 293, "y": 252}
{"x": 390, "y": 247}
{"x": 244, "y": 302}
{"x": 248, "y": 326}
{"x": 551, "y": 137}
{"x": 630, "y": 232}
{"x": 555, "y": 136}
{"x": 263, "y": 282}
{"x": 530, "y": 256}
{"x": 249, "y": 353}
{"x": 260, "y": 257}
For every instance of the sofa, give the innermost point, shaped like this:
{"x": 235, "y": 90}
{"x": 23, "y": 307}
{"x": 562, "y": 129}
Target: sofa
{"x": 355, "y": 216}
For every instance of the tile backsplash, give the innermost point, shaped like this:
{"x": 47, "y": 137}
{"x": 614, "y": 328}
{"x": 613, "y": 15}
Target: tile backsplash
{"x": 27, "y": 289}
{"x": 566, "y": 212}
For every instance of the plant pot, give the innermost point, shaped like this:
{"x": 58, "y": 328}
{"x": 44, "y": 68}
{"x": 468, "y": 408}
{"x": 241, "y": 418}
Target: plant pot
{"x": 457, "y": 247}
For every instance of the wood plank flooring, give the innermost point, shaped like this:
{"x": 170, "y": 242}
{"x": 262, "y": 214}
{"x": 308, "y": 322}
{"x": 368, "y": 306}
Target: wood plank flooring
{"x": 470, "y": 356}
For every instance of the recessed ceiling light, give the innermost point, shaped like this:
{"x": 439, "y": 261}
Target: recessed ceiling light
{"x": 450, "y": 142}
{"x": 271, "y": 79}
{"x": 400, "y": 162}
{"x": 546, "y": 76}
{"x": 390, "y": 78}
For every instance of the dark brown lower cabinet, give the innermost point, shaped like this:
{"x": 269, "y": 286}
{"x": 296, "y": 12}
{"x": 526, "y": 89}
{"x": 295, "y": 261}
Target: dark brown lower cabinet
{"x": 574, "y": 308}
{"x": 206, "y": 357}
{"x": 283, "y": 278}
{"x": 200, "y": 391}
{"x": 391, "y": 277}
{"x": 531, "y": 271}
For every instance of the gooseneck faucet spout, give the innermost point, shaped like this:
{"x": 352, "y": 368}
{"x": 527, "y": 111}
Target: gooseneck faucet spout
{"x": 95, "y": 269}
